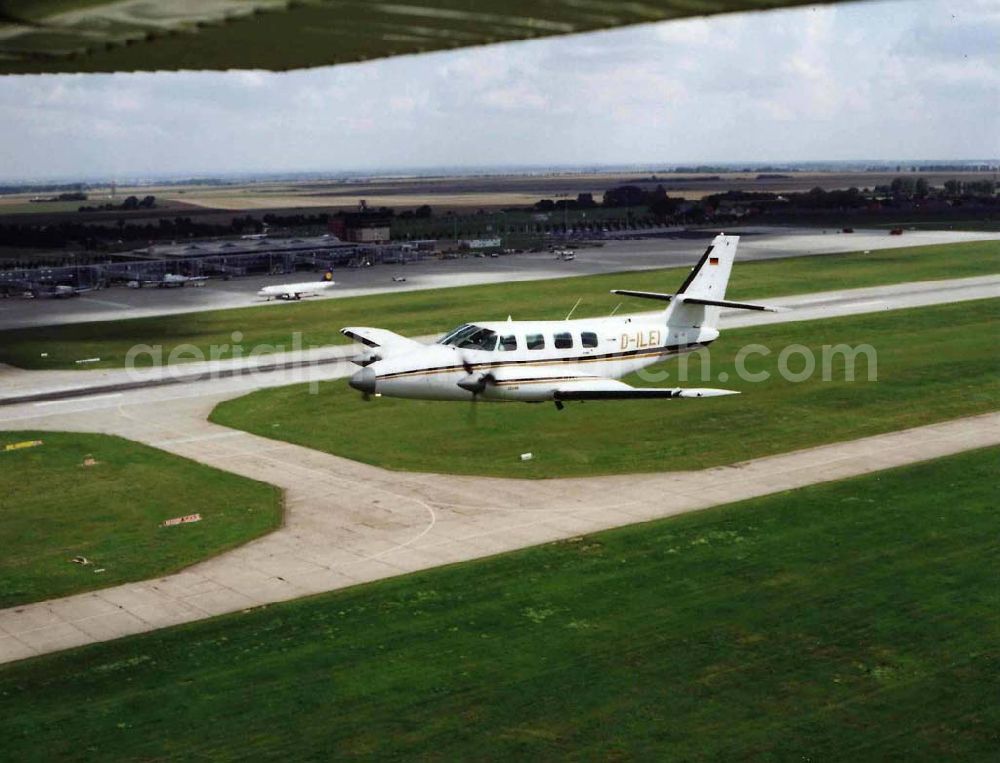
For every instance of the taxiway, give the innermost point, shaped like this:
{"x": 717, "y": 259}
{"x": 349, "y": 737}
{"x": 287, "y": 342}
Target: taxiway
{"x": 348, "y": 523}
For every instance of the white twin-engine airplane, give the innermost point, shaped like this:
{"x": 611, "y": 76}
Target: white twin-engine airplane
{"x": 295, "y": 290}
{"x": 536, "y": 361}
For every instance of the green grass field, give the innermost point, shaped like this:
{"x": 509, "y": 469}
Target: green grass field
{"x": 933, "y": 364}
{"x": 437, "y": 310}
{"x": 53, "y": 508}
{"x": 856, "y": 620}
{"x": 47, "y": 207}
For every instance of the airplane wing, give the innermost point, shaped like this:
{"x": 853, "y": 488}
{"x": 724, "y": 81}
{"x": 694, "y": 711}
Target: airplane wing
{"x": 381, "y": 342}
{"x": 612, "y": 389}
{"x": 110, "y": 35}
{"x": 552, "y": 384}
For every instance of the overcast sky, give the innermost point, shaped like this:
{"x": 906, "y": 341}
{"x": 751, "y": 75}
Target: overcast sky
{"x": 873, "y": 80}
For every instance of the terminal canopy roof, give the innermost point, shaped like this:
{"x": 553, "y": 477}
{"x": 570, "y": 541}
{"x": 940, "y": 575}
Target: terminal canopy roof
{"x": 145, "y": 35}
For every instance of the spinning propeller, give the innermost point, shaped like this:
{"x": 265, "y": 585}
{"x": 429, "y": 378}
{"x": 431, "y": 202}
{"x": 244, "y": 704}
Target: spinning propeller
{"x": 475, "y": 386}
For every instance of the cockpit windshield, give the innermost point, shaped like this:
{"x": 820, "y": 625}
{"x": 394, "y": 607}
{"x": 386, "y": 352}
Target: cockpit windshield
{"x": 469, "y": 337}
{"x": 446, "y": 339}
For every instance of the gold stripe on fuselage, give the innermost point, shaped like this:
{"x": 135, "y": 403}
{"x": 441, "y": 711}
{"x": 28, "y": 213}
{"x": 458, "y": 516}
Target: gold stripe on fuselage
{"x": 544, "y": 380}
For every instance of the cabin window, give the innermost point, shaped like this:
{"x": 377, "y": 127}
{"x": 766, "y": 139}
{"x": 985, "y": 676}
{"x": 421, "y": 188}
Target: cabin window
{"x": 535, "y": 342}
{"x": 588, "y": 339}
{"x": 563, "y": 341}
{"x": 508, "y": 343}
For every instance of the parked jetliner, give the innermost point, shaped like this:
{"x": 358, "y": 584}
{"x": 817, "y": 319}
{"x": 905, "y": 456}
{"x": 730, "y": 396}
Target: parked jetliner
{"x": 535, "y": 361}
{"x": 295, "y": 290}
{"x": 60, "y": 291}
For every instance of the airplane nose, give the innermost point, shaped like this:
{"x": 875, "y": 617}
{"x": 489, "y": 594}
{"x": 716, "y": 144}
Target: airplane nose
{"x": 363, "y": 381}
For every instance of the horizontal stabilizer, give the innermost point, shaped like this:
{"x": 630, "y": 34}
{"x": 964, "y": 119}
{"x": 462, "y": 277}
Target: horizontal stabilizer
{"x": 644, "y": 294}
{"x": 371, "y": 337}
{"x": 382, "y": 343}
{"x": 734, "y": 305}
{"x": 359, "y": 337}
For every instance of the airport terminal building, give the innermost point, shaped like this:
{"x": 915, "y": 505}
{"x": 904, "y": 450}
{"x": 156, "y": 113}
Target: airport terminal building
{"x": 225, "y": 258}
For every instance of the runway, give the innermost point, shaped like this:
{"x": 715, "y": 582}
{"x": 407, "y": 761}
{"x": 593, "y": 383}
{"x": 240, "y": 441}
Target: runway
{"x": 27, "y": 391}
{"x": 671, "y": 248}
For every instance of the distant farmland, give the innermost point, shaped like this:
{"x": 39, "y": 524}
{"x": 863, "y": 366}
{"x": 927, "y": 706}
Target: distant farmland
{"x": 459, "y": 193}
{"x": 496, "y": 191}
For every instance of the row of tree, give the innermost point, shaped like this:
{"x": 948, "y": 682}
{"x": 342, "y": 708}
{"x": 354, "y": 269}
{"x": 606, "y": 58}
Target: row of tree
{"x": 106, "y": 235}
{"x": 920, "y": 188}
{"x": 642, "y": 205}
{"x": 129, "y": 203}
{"x": 94, "y": 236}
{"x": 619, "y": 197}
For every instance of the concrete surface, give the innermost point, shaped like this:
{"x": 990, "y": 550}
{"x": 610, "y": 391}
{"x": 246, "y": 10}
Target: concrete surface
{"x": 350, "y": 523}
{"x": 676, "y": 248}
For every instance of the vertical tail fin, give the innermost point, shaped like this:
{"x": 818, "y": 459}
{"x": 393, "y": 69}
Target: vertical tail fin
{"x": 708, "y": 281}
{"x": 697, "y": 302}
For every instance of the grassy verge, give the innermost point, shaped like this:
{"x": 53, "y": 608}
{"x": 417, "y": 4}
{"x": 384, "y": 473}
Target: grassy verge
{"x": 53, "y": 507}
{"x": 855, "y": 620}
{"x": 437, "y": 310}
{"x": 933, "y": 363}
